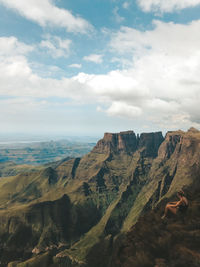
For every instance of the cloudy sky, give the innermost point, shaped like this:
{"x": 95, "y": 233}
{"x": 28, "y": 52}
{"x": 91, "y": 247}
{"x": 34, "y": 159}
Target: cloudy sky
{"x": 84, "y": 67}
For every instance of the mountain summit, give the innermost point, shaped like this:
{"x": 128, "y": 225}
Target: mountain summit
{"x": 127, "y": 142}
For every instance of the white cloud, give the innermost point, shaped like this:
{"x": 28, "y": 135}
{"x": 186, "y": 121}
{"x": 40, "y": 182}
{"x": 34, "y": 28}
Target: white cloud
{"x": 163, "y": 82}
{"x": 45, "y": 13}
{"x": 169, "y": 39}
{"x": 166, "y": 5}
{"x": 117, "y": 17}
{"x": 56, "y": 47}
{"x": 11, "y": 46}
{"x": 18, "y": 79}
{"x": 44, "y": 70}
{"x": 78, "y": 66}
{"x": 161, "y": 86}
{"x": 123, "y": 110}
{"x": 12, "y": 59}
{"x": 165, "y": 65}
{"x": 94, "y": 58}
{"x": 114, "y": 86}
{"x": 126, "y": 5}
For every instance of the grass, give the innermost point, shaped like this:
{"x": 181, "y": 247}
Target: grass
{"x": 80, "y": 249}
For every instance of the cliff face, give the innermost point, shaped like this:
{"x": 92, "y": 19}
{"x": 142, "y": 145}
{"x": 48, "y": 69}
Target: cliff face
{"x": 181, "y": 145}
{"x": 127, "y": 142}
{"x": 120, "y": 142}
{"x": 150, "y": 142}
{"x": 170, "y": 144}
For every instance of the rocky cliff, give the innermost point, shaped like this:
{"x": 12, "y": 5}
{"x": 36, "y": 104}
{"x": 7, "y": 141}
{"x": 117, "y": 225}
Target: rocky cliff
{"x": 127, "y": 142}
{"x": 106, "y": 192}
{"x": 150, "y": 142}
{"x": 117, "y": 142}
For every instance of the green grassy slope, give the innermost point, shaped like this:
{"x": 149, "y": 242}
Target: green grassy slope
{"x": 171, "y": 242}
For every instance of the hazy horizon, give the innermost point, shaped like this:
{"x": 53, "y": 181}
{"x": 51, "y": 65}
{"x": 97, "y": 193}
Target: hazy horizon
{"x": 45, "y": 137}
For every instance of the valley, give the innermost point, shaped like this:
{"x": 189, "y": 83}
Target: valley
{"x": 42, "y": 152}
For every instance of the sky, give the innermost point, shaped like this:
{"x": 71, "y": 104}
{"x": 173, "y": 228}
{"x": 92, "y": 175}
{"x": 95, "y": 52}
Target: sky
{"x": 85, "y": 67}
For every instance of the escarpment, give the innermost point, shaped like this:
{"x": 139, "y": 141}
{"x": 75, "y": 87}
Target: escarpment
{"x": 127, "y": 142}
{"x": 81, "y": 205}
{"x": 150, "y": 142}
{"x": 120, "y": 142}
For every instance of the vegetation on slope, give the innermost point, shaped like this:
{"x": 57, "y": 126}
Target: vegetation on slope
{"x": 172, "y": 242}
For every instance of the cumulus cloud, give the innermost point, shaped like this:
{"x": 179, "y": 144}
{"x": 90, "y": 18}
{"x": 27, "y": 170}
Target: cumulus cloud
{"x": 161, "y": 85}
{"x": 166, "y": 5}
{"x": 18, "y": 79}
{"x": 10, "y": 46}
{"x": 165, "y": 65}
{"x": 45, "y": 13}
{"x": 169, "y": 38}
{"x": 75, "y": 65}
{"x": 123, "y": 110}
{"x": 12, "y": 59}
{"x": 94, "y": 58}
{"x": 56, "y": 47}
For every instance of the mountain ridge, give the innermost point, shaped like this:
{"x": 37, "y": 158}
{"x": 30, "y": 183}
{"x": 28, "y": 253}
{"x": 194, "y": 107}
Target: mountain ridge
{"x": 123, "y": 177}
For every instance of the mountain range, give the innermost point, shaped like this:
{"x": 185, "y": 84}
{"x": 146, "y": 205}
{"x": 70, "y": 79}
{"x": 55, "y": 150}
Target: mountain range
{"x": 104, "y": 209}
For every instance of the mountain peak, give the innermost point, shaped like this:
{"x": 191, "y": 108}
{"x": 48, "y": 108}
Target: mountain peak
{"x": 128, "y": 142}
{"x": 117, "y": 142}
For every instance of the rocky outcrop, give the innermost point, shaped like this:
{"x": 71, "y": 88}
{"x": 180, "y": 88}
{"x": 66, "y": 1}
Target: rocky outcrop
{"x": 150, "y": 142}
{"x": 51, "y": 175}
{"x": 184, "y": 146}
{"x": 171, "y": 141}
{"x": 117, "y": 142}
{"x": 129, "y": 143}
{"x": 75, "y": 166}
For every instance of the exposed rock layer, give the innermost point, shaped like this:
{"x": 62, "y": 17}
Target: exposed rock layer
{"x": 128, "y": 142}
